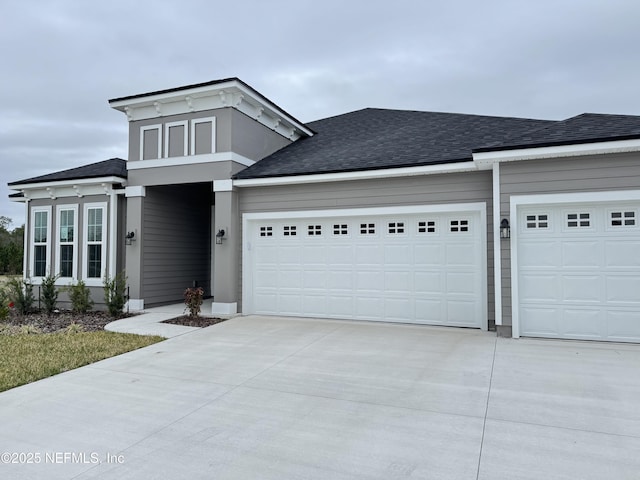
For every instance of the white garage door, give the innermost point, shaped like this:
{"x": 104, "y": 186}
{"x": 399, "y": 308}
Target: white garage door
{"x": 579, "y": 271}
{"x": 427, "y": 267}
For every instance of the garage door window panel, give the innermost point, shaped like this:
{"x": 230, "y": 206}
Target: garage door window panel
{"x": 427, "y": 226}
{"x": 537, "y": 221}
{"x": 289, "y": 231}
{"x": 622, "y": 218}
{"x": 314, "y": 230}
{"x": 577, "y": 220}
{"x": 459, "y": 226}
{"x": 367, "y": 229}
{"x": 266, "y": 231}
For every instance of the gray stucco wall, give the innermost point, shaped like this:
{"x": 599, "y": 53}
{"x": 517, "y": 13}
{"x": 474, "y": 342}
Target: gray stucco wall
{"x": 192, "y": 173}
{"x": 252, "y": 139}
{"x": 418, "y": 190}
{"x": 235, "y": 132}
{"x": 567, "y": 175}
{"x": 177, "y": 245}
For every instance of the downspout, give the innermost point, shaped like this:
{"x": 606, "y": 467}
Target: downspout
{"x": 497, "y": 251}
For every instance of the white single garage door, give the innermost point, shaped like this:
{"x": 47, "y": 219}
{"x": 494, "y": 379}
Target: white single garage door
{"x": 407, "y": 266}
{"x": 579, "y": 271}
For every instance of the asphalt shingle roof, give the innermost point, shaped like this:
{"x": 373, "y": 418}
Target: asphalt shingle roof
{"x": 378, "y": 138}
{"x": 585, "y": 128}
{"x": 114, "y": 167}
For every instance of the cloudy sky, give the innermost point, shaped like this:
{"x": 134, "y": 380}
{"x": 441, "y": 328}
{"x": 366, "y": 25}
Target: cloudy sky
{"x": 63, "y": 59}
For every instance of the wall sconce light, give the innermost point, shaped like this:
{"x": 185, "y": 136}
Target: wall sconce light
{"x": 129, "y": 237}
{"x": 505, "y": 229}
{"x": 219, "y": 237}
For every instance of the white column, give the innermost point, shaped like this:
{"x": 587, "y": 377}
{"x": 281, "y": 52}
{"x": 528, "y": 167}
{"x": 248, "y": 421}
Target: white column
{"x": 497, "y": 254}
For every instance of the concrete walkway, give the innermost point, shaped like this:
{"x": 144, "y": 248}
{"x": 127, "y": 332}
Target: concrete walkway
{"x": 150, "y": 321}
{"x": 285, "y": 398}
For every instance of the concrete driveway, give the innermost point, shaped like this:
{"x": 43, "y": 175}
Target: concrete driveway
{"x": 273, "y": 398}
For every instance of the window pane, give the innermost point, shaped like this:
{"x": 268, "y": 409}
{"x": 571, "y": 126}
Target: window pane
{"x": 150, "y": 144}
{"x": 66, "y": 260}
{"x": 40, "y": 227}
{"x": 40, "y": 261}
{"x": 176, "y": 141}
{"x": 94, "y": 225}
{"x": 204, "y": 132}
{"x": 94, "y": 265}
{"x": 66, "y": 225}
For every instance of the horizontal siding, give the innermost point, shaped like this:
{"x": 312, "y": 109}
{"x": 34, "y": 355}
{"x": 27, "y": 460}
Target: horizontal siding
{"x": 176, "y": 242}
{"x": 418, "y": 190}
{"x": 566, "y": 175}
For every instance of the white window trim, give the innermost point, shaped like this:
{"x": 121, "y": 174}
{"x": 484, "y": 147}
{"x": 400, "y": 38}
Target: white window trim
{"x": 145, "y": 129}
{"x": 517, "y": 201}
{"x": 58, "y": 243}
{"x": 38, "y": 280}
{"x": 94, "y": 282}
{"x": 194, "y": 122}
{"x": 167, "y": 126}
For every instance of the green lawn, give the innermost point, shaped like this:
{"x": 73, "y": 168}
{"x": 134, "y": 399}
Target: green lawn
{"x": 26, "y": 358}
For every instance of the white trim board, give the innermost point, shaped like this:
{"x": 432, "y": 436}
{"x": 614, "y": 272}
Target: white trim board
{"x": 550, "y": 199}
{"x": 360, "y": 175}
{"x": 369, "y": 211}
{"x": 532, "y": 153}
{"x": 190, "y": 160}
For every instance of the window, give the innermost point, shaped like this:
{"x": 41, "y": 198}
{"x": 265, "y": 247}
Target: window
{"x": 578, "y": 220}
{"x": 538, "y": 221}
{"x": 459, "y": 225}
{"x": 94, "y": 242}
{"x": 40, "y": 239}
{"x": 396, "y": 227}
{"x": 427, "y": 226}
{"x": 175, "y": 139}
{"x": 367, "y": 228}
{"x": 340, "y": 229}
{"x": 203, "y": 135}
{"x": 67, "y": 238}
{"x": 266, "y": 231}
{"x": 150, "y": 142}
{"x": 289, "y": 231}
{"x": 314, "y": 230}
{"x": 620, "y": 219}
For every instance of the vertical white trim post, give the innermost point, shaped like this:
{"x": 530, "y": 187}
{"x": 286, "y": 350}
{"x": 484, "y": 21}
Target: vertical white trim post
{"x": 26, "y": 240}
{"x": 113, "y": 241}
{"x": 497, "y": 247}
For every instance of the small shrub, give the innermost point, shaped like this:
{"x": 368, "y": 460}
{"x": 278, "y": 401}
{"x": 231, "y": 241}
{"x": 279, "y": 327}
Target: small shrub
{"x": 30, "y": 330}
{"x": 20, "y": 293}
{"x": 74, "y": 328}
{"x": 114, "y": 294}
{"x": 49, "y": 293}
{"x": 80, "y": 297}
{"x": 193, "y": 300}
{"x": 5, "y": 305}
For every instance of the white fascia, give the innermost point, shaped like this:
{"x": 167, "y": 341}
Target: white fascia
{"x": 484, "y": 160}
{"x": 68, "y": 188}
{"x": 360, "y": 175}
{"x": 70, "y": 183}
{"x": 190, "y": 160}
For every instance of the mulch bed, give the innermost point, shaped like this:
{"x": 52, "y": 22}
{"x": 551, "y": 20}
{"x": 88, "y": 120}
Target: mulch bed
{"x": 189, "y": 321}
{"x": 90, "y": 321}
